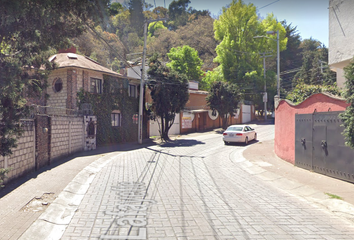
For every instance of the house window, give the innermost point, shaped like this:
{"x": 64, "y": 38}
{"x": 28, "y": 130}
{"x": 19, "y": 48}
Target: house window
{"x": 132, "y": 91}
{"x": 116, "y": 119}
{"x": 96, "y": 85}
{"x": 57, "y": 85}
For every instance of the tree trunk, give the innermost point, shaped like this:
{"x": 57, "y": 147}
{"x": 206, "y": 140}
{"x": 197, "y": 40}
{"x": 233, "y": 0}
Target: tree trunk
{"x": 164, "y": 129}
{"x": 224, "y": 122}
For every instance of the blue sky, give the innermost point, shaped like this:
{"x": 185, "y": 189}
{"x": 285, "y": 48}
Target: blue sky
{"x": 309, "y": 16}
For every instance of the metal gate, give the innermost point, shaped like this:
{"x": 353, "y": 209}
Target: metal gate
{"x": 320, "y": 145}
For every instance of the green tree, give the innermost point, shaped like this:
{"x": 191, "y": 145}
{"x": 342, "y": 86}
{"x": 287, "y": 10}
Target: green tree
{"x": 114, "y": 8}
{"x": 348, "y": 115}
{"x": 303, "y": 91}
{"x": 178, "y": 13}
{"x": 314, "y": 69}
{"x": 169, "y": 93}
{"x": 238, "y": 51}
{"x": 185, "y": 60}
{"x": 155, "y": 26}
{"x": 224, "y": 97}
{"x": 211, "y": 77}
{"x": 198, "y": 34}
{"x": 28, "y": 30}
{"x": 136, "y": 16}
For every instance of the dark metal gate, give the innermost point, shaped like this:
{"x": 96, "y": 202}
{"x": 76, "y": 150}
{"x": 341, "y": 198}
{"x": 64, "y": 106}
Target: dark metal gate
{"x": 320, "y": 145}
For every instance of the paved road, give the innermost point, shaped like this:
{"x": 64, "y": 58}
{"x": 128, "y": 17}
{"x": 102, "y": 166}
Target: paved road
{"x": 193, "y": 189}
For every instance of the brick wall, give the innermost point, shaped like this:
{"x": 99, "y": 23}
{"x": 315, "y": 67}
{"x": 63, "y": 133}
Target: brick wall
{"x": 22, "y": 160}
{"x": 67, "y": 136}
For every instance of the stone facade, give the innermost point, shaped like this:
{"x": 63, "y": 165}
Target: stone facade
{"x": 74, "y": 79}
{"x": 67, "y": 136}
{"x": 22, "y": 160}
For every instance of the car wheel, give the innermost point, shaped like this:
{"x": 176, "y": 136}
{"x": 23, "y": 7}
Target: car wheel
{"x": 255, "y": 136}
{"x": 246, "y": 140}
{"x": 226, "y": 143}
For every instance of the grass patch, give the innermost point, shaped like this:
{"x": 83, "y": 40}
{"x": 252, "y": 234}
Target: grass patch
{"x": 334, "y": 196}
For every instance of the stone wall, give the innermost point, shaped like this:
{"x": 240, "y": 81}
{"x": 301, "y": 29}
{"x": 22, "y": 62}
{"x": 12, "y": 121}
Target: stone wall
{"x": 67, "y": 136}
{"x": 57, "y": 99}
{"x": 22, "y": 160}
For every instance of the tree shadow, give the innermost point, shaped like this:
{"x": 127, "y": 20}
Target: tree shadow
{"x": 118, "y": 147}
{"x": 181, "y": 143}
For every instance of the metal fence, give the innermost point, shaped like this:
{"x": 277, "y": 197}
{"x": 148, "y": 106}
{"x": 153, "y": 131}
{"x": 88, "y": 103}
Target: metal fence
{"x": 320, "y": 145}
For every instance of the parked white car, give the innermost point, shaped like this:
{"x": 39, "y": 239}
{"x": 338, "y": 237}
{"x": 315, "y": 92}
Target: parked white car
{"x": 239, "y": 133}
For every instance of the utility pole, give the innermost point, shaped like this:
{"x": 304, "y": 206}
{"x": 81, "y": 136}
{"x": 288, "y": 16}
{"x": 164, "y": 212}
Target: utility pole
{"x": 265, "y": 96}
{"x": 142, "y": 82}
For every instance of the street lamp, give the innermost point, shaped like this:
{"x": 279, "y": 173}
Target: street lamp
{"x": 278, "y": 56}
{"x": 278, "y": 70}
{"x": 142, "y": 82}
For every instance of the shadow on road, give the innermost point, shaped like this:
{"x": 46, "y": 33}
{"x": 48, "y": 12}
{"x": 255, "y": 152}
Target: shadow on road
{"x": 242, "y": 144}
{"x": 181, "y": 143}
{"x": 121, "y": 147}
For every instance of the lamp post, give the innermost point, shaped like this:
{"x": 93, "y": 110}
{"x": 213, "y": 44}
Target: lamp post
{"x": 278, "y": 66}
{"x": 142, "y": 82}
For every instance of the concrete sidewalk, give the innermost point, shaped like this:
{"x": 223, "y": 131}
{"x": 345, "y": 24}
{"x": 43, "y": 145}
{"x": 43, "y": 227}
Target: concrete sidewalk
{"x": 317, "y": 188}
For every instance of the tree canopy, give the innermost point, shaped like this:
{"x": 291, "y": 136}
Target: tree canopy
{"x": 224, "y": 97}
{"x": 28, "y": 31}
{"x": 185, "y": 60}
{"x": 239, "y": 52}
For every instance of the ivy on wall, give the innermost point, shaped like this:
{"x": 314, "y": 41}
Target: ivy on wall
{"x": 114, "y": 97}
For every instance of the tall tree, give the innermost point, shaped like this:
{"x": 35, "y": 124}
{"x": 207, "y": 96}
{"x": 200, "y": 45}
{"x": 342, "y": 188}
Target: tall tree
{"x": 28, "y": 30}
{"x": 238, "y": 51}
{"x": 198, "y": 34}
{"x": 178, "y": 13}
{"x": 169, "y": 93}
{"x": 224, "y": 98}
{"x": 314, "y": 69}
{"x": 185, "y": 60}
{"x": 137, "y": 16}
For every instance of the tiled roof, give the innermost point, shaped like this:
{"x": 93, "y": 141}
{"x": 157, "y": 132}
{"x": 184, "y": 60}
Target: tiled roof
{"x": 75, "y": 60}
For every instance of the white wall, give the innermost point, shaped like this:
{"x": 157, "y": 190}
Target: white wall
{"x": 174, "y": 130}
{"x": 246, "y": 113}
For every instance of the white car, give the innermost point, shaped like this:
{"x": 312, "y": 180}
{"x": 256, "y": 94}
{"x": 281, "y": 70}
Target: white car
{"x": 239, "y": 133}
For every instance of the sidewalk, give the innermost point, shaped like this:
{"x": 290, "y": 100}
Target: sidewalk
{"x": 312, "y": 186}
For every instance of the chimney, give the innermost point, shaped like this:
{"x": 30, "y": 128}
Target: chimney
{"x": 69, "y": 50}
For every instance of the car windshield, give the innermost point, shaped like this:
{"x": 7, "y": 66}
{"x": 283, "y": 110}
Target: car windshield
{"x": 234, "y": 129}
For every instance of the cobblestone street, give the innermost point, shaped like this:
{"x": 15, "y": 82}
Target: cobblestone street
{"x": 194, "y": 189}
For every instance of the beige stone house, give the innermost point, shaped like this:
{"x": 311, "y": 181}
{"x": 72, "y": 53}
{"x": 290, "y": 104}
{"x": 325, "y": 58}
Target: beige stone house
{"x": 76, "y": 72}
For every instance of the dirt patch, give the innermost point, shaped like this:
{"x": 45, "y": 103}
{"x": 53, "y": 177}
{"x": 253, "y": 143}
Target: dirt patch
{"x": 39, "y": 204}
